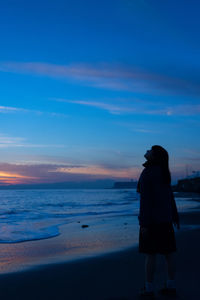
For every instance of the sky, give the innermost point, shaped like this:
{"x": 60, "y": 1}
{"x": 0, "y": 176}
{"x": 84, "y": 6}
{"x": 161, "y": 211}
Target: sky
{"x": 86, "y": 87}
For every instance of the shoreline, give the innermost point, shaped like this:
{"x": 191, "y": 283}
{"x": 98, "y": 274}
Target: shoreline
{"x": 74, "y": 243}
{"x": 117, "y": 275}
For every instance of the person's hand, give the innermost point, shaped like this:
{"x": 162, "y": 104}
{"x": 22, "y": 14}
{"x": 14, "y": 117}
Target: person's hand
{"x": 176, "y": 224}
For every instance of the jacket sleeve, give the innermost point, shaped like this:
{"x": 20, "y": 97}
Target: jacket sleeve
{"x": 146, "y": 198}
{"x": 175, "y": 215}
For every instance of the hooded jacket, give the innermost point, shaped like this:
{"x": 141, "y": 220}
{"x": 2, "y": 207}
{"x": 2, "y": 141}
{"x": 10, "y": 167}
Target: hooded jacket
{"x": 157, "y": 204}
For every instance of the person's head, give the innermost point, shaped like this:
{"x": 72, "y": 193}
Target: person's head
{"x": 159, "y": 156}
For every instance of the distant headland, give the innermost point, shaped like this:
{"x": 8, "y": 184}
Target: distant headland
{"x": 125, "y": 185}
{"x": 95, "y": 184}
{"x": 188, "y": 185}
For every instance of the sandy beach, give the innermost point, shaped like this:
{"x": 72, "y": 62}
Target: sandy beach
{"x": 118, "y": 275}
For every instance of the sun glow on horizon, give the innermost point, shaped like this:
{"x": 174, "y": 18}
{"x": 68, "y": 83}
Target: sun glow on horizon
{"x": 83, "y": 99}
{"x": 13, "y": 178}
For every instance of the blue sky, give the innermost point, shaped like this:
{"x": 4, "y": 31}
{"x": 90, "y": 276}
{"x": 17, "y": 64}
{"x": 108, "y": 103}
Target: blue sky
{"x": 88, "y": 86}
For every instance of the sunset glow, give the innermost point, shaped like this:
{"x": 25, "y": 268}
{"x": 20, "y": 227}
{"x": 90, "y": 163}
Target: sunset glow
{"x": 12, "y": 178}
{"x": 83, "y": 97}
{"x": 99, "y": 171}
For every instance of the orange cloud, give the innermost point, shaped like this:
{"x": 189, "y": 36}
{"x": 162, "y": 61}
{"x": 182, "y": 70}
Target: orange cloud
{"x": 13, "y": 178}
{"x": 101, "y": 171}
{"x": 51, "y": 173}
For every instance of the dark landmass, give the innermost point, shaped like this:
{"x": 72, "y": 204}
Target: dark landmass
{"x": 97, "y": 184}
{"x": 188, "y": 185}
{"x": 125, "y": 185}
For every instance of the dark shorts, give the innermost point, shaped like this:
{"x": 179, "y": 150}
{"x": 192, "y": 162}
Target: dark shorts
{"x": 157, "y": 238}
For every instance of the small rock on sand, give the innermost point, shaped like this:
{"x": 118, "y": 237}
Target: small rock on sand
{"x": 84, "y": 226}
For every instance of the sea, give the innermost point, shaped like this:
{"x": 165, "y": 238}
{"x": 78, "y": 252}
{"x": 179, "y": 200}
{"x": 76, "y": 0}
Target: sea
{"x": 27, "y": 215}
{"x": 42, "y": 227}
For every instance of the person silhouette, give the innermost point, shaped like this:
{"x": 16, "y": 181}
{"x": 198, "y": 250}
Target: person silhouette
{"x": 157, "y": 215}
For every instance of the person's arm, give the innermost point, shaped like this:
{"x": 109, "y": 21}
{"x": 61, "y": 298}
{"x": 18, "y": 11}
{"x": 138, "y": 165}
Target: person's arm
{"x": 146, "y": 196}
{"x": 138, "y": 191}
{"x": 175, "y": 215}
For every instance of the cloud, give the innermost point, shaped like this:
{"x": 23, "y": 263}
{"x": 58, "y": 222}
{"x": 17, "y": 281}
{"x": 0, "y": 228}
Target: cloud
{"x": 9, "y": 109}
{"x": 141, "y": 127}
{"x": 137, "y": 107}
{"x": 192, "y": 155}
{"x": 142, "y": 130}
{"x": 15, "y": 142}
{"x": 143, "y": 107}
{"x": 195, "y": 159}
{"x": 23, "y": 173}
{"x": 112, "y": 108}
{"x": 184, "y": 110}
{"x": 6, "y": 141}
{"x": 31, "y": 173}
{"x": 13, "y": 178}
{"x": 47, "y": 173}
{"x": 116, "y": 76}
{"x": 100, "y": 171}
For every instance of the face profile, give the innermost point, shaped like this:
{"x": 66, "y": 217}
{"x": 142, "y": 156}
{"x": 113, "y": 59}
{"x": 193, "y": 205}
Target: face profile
{"x": 149, "y": 154}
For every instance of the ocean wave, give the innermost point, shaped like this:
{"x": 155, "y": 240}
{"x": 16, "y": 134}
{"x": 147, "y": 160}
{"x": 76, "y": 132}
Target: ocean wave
{"x": 23, "y": 214}
{"x": 14, "y": 212}
{"x": 24, "y": 235}
{"x": 9, "y": 212}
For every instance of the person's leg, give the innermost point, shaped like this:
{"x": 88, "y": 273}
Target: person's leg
{"x": 150, "y": 266}
{"x": 171, "y": 265}
{"x": 171, "y": 270}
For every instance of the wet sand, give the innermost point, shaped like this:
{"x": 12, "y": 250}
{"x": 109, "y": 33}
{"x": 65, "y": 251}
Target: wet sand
{"x": 112, "y": 276}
